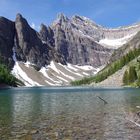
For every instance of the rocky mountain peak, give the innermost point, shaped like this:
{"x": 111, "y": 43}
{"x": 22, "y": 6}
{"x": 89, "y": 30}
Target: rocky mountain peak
{"x": 62, "y": 17}
{"x": 61, "y": 20}
{"x": 30, "y": 46}
{"x": 84, "y": 20}
{"x": 18, "y": 16}
{"x": 43, "y": 27}
{"x": 20, "y": 19}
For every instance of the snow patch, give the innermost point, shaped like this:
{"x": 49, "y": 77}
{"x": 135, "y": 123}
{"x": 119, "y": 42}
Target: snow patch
{"x": 85, "y": 73}
{"x": 70, "y": 70}
{"x": 28, "y": 64}
{"x": 43, "y": 70}
{"x": 62, "y": 79}
{"x": 51, "y": 84}
{"x": 116, "y": 43}
{"x": 72, "y": 67}
{"x": 52, "y": 66}
{"x": 86, "y": 67}
{"x": 21, "y": 75}
{"x": 61, "y": 74}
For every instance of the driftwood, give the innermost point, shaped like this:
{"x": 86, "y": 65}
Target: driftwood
{"x": 133, "y": 118}
{"x": 105, "y": 102}
{"x": 137, "y": 124}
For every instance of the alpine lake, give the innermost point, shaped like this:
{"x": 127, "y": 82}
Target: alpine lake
{"x": 70, "y": 113}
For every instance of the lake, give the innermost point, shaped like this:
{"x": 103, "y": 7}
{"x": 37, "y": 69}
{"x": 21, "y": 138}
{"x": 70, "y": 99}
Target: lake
{"x": 69, "y": 113}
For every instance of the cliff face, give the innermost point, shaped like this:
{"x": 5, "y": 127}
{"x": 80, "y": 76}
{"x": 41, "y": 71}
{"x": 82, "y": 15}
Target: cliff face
{"x": 7, "y": 32}
{"x": 47, "y": 35}
{"x": 77, "y": 47}
{"x": 30, "y": 47}
{"x": 19, "y": 38}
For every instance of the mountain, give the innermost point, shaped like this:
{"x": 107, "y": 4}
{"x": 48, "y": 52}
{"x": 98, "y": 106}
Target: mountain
{"x": 77, "y": 47}
{"x": 67, "y": 50}
{"x": 124, "y": 61}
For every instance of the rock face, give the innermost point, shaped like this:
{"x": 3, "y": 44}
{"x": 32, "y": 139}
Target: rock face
{"x": 47, "y": 35}
{"x": 133, "y": 43}
{"x": 7, "y": 31}
{"x": 75, "y": 40}
{"x": 76, "y": 47}
{"x": 30, "y": 47}
{"x": 81, "y": 41}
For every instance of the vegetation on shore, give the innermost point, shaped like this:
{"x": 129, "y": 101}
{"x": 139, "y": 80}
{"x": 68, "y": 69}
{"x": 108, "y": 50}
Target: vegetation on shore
{"x": 110, "y": 69}
{"x": 7, "y": 78}
{"x": 131, "y": 76}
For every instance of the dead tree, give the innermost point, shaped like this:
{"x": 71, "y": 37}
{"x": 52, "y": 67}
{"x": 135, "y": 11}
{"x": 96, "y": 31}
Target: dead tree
{"x": 105, "y": 102}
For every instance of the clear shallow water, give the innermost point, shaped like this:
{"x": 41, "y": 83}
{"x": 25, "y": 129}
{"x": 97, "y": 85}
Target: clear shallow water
{"x": 67, "y": 113}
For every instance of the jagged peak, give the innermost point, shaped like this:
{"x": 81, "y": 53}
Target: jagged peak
{"x": 62, "y": 16}
{"x": 19, "y": 15}
{"x": 84, "y": 19}
{"x": 20, "y": 18}
{"x": 43, "y": 26}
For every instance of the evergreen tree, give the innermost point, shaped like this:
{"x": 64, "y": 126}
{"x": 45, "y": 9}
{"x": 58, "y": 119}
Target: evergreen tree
{"x": 132, "y": 74}
{"x": 6, "y": 77}
{"x": 126, "y": 78}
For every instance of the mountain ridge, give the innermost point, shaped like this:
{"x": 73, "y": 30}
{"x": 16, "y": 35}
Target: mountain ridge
{"x": 77, "y": 41}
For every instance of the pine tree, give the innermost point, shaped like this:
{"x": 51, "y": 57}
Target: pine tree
{"x": 132, "y": 74}
{"x": 126, "y": 78}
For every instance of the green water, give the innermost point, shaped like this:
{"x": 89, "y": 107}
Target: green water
{"x": 68, "y": 114}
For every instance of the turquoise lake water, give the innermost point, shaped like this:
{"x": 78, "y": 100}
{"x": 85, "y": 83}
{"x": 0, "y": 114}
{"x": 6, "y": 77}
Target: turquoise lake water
{"x": 69, "y": 113}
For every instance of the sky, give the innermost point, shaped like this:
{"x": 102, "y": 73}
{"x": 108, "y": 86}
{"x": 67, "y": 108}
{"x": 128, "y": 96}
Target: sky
{"x": 108, "y": 13}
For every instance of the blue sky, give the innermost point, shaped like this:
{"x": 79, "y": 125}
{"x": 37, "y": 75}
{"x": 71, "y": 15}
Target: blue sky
{"x": 110, "y": 13}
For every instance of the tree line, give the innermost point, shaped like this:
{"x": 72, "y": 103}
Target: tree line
{"x": 110, "y": 69}
{"x": 130, "y": 76}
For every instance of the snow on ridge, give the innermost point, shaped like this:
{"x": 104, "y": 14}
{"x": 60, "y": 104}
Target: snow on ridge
{"x": 71, "y": 69}
{"x": 28, "y": 64}
{"x": 43, "y": 70}
{"x": 85, "y": 67}
{"x": 21, "y": 75}
{"x": 51, "y": 84}
{"x": 61, "y": 74}
{"x": 52, "y": 66}
{"x": 123, "y": 27}
{"x": 116, "y": 42}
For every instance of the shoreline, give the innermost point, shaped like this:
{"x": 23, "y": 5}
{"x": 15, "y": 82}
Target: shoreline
{"x": 4, "y": 86}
